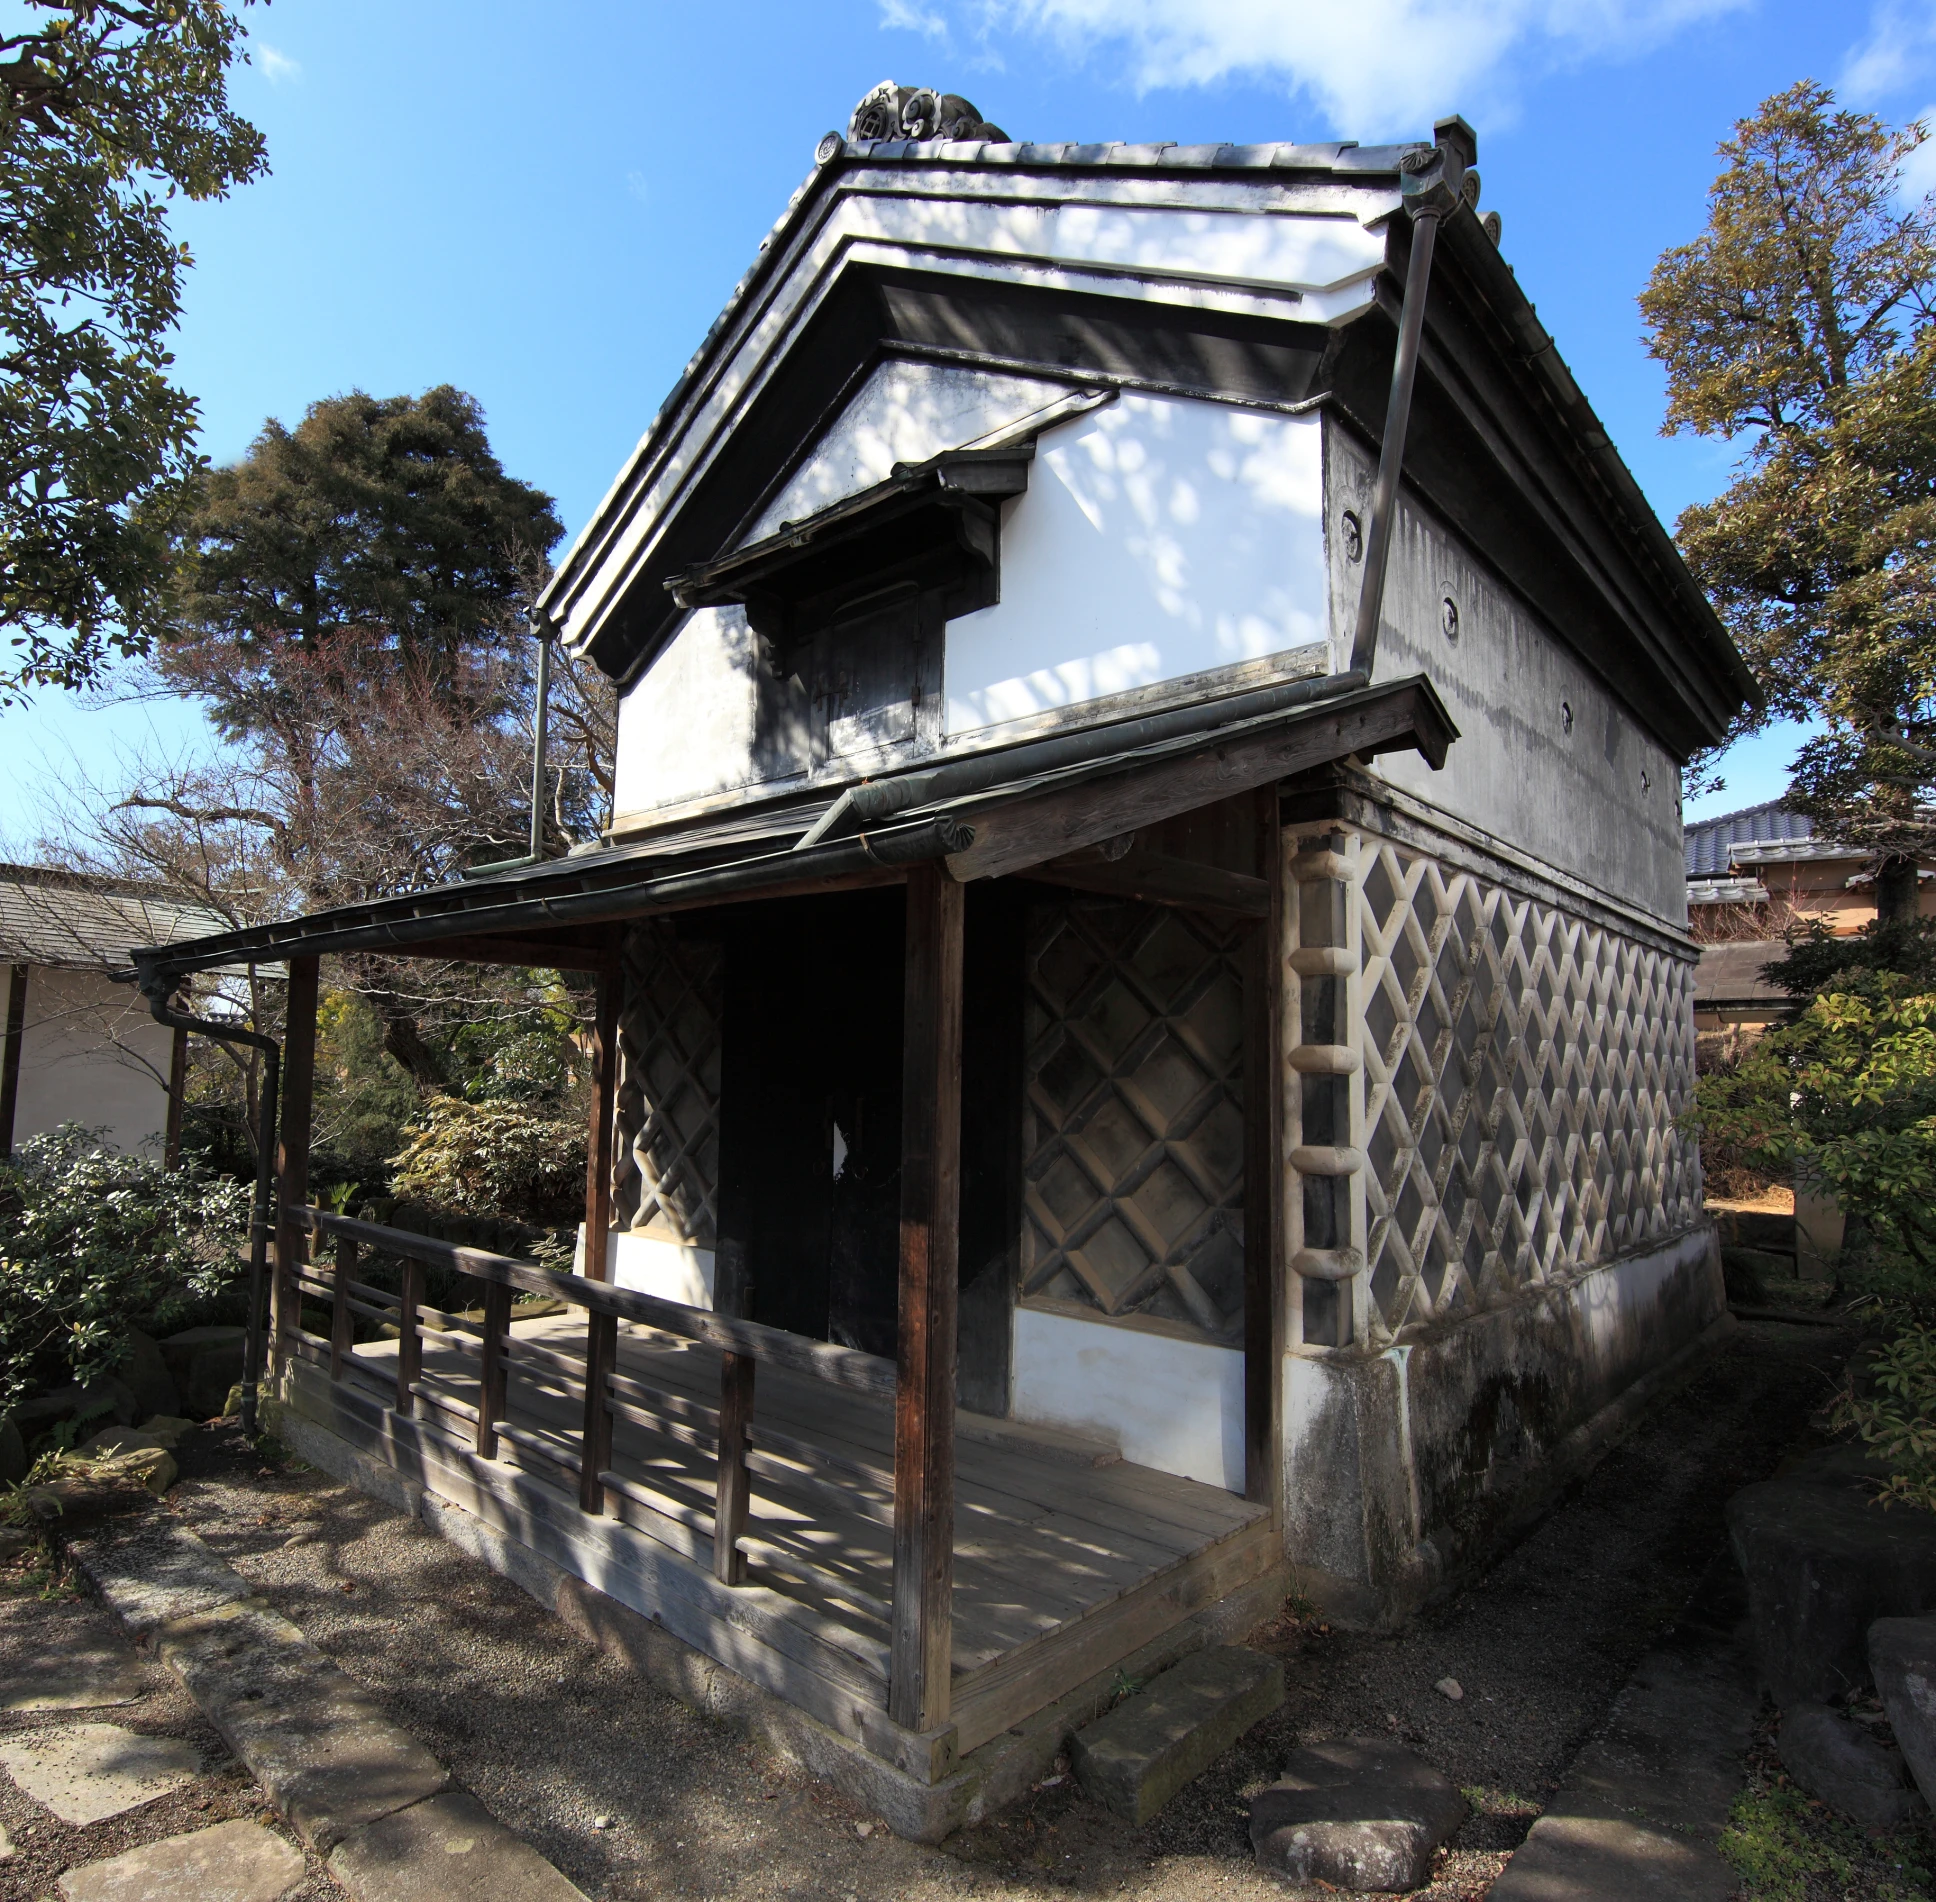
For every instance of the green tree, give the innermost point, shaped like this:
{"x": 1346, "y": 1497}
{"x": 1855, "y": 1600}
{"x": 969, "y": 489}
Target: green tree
{"x": 1799, "y": 323}
{"x": 106, "y": 111}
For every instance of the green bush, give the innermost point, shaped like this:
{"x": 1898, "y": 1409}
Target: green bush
{"x": 493, "y": 1158}
{"x": 94, "y": 1243}
{"x": 1898, "y": 1419}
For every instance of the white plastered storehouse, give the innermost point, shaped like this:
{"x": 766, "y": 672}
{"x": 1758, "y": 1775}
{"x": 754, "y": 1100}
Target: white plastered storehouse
{"x": 1054, "y": 962}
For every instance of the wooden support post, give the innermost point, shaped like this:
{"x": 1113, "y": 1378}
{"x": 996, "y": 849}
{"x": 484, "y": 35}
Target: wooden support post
{"x": 598, "y": 1160}
{"x": 920, "y": 1657}
{"x": 731, "y": 1492}
{"x": 292, "y": 1151}
{"x": 410, "y": 1337}
{"x": 339, "y": 1320}
{"x": 1264, "y": 1084}
{"x": 492, "y": 1374}
{"x": 177, "y": 1093}
{"x": 16, "y": 1035}
{"x": 595, "y": 1448}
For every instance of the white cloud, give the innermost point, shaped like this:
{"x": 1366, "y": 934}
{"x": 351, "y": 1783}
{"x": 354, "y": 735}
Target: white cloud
{"x": 1900, "y": 48}
{"x": 276, "y": 67}
{"x": 910, "y": 18}
{"x": 1919, "y": 172}
{"x": 1375, "y": 68}
{"x": 639, "y": 186}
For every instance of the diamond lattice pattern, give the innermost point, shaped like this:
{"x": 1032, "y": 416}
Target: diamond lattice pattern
{"x": 666, "y": 1171}
{"x": 1524, "y": 1072}
{"x": 1133, "y": 1117}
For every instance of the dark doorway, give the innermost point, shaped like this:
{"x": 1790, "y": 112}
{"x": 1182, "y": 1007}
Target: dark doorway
{"x": 810, "y": 1123}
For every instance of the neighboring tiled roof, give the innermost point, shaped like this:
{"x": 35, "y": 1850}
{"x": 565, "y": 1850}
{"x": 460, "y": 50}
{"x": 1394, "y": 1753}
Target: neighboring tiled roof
{"x": 83, "y": 923}
{"x": 1726, "y": 891}
{"x": 1711, "y": 842}
{"x": 1730, "y": 974}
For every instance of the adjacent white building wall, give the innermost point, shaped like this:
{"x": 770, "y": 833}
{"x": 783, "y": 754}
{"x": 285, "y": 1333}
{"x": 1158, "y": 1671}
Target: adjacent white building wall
{"x": 90, "y": 1053}
{"x": 1159, "y": 537}
{"x": 1173, "y": 1404}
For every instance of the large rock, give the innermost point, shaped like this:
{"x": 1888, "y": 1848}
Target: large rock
{"x": 1823, "y": 1562}
{"x": 1847, "y": 1768}
{"x": 145, "y": 1373}
{"x": 1902, "y": 1654}
{"x": 1362, "y": 1814}
{"x": 205, "y": 1362}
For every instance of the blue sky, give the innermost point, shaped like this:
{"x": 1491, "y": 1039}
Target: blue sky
{"x": 546, "y": 205}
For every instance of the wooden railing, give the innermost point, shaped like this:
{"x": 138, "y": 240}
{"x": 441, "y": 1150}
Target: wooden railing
{"x": 744, "y": 1453}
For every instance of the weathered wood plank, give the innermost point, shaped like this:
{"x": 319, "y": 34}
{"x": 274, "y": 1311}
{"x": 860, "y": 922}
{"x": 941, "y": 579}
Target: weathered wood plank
{"x": 595, "y": 1450}
{"x": 492, "y": 1385}
{"x": 409, "y": 1339}
{"x": 1162, "y": 878}
{"x": 295, "y": 1117}
{"x": 924, "y": 1415}
{"x": 340, "y": 1336}
{"x": 729, "y": 1510}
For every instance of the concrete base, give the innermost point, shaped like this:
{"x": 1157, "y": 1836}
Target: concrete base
{"x": 999, "y": 1772}
{"x": 1409, "y": 1469}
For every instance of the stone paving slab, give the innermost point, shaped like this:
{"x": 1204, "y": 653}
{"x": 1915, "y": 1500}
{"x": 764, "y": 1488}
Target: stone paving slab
{"x": 151, "y": 1570}
{"x": 449, "y": 1848}
{"x": 85, "y": 1773}
{"x": 317, "y": 1741}
{"x": 232, "y": 1862}
{"x": 79, "y": 1668}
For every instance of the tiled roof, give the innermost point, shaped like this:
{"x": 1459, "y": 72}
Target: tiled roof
{"x": 1731, "y": 974}
{"x": 1710, "y": 843}
{"x": 82, "y": 923}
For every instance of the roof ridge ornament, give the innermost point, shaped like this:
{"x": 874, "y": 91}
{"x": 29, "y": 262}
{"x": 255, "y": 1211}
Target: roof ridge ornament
{"x": 893, "y": 111}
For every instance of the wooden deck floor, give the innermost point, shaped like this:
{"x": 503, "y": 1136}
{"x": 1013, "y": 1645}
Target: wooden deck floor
{"x": 1063, "y": 1566}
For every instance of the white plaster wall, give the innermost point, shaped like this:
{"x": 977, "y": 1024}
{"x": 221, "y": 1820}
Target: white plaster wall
{"x": 1159, "y": 537}
{"x": 90, "y": 1053}
{"x": 674, "y": 1271}
{"x": 1173, "y": 1404}
{"x": 905, "y": 412}
{"x": 1599, "y": 798}
{"x": 690, "y": 725}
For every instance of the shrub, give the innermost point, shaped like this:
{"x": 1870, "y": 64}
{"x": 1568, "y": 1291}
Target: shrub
{"x": 493, "y": 1158}
{"x": 94, "y": 1243}
{"x": 1899, "y": 1418}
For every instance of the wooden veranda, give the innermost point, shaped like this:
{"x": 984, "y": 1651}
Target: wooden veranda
{"x": 826, "y": 1522}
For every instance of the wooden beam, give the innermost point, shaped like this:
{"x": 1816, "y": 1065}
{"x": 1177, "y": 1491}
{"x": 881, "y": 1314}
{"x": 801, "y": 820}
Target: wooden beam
{"x": 1015, "y": 834}
{"x": 1162, "y": 878}
{"x": 924, "y": 1410}
{"x": 598, "y": 1158}
{"x": 177, "y": 1092}
{"x": 16, "y": 1035}
{"x": 730, "y": 1497}
{"x": 292, "y": 1149}
{"x": 567, "y": 955}
{"x": 1264, "y": 1171}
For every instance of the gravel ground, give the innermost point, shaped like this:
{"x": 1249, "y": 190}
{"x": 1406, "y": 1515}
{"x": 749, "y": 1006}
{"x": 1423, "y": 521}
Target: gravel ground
{"x": 39, "y": 1612}
{"x": 633, "y": 1795}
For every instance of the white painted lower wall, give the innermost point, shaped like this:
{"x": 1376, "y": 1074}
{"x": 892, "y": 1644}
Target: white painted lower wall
{"x": 91, "y": 1054}
{"x": 1173, "y": 1404}
{"x": 674, "y": 1271}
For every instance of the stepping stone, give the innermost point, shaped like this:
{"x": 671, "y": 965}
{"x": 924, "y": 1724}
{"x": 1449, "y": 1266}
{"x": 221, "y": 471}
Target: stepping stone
{"x": 88, "y": 1772}
{"x": 1136, "y": 1758}
{"x": 1902, "y": 1653}
{"x": 447, "y": 1849}
{"x": 233, "y": 1862}
{"x": 77, "y": 1670}
{"x": 1362, "y": 1814}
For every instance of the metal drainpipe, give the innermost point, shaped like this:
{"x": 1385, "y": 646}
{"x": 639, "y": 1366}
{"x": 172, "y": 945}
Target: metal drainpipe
{"x": 265, "y": 1169}
{"x": 1429, "y": 184}
{"x": 540, "y": 784}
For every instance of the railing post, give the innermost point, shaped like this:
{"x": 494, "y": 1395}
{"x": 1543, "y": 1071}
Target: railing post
{"x": 292, "y": 1152}
{"x": 491, "y": 1373}
{"x": 409, "y": 1338}
{"x": 921, "y": 1650}
{"x": 595, "y": 1451}
{"x": 731, "y": 1494}
{"x": 339, "y": 1319}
